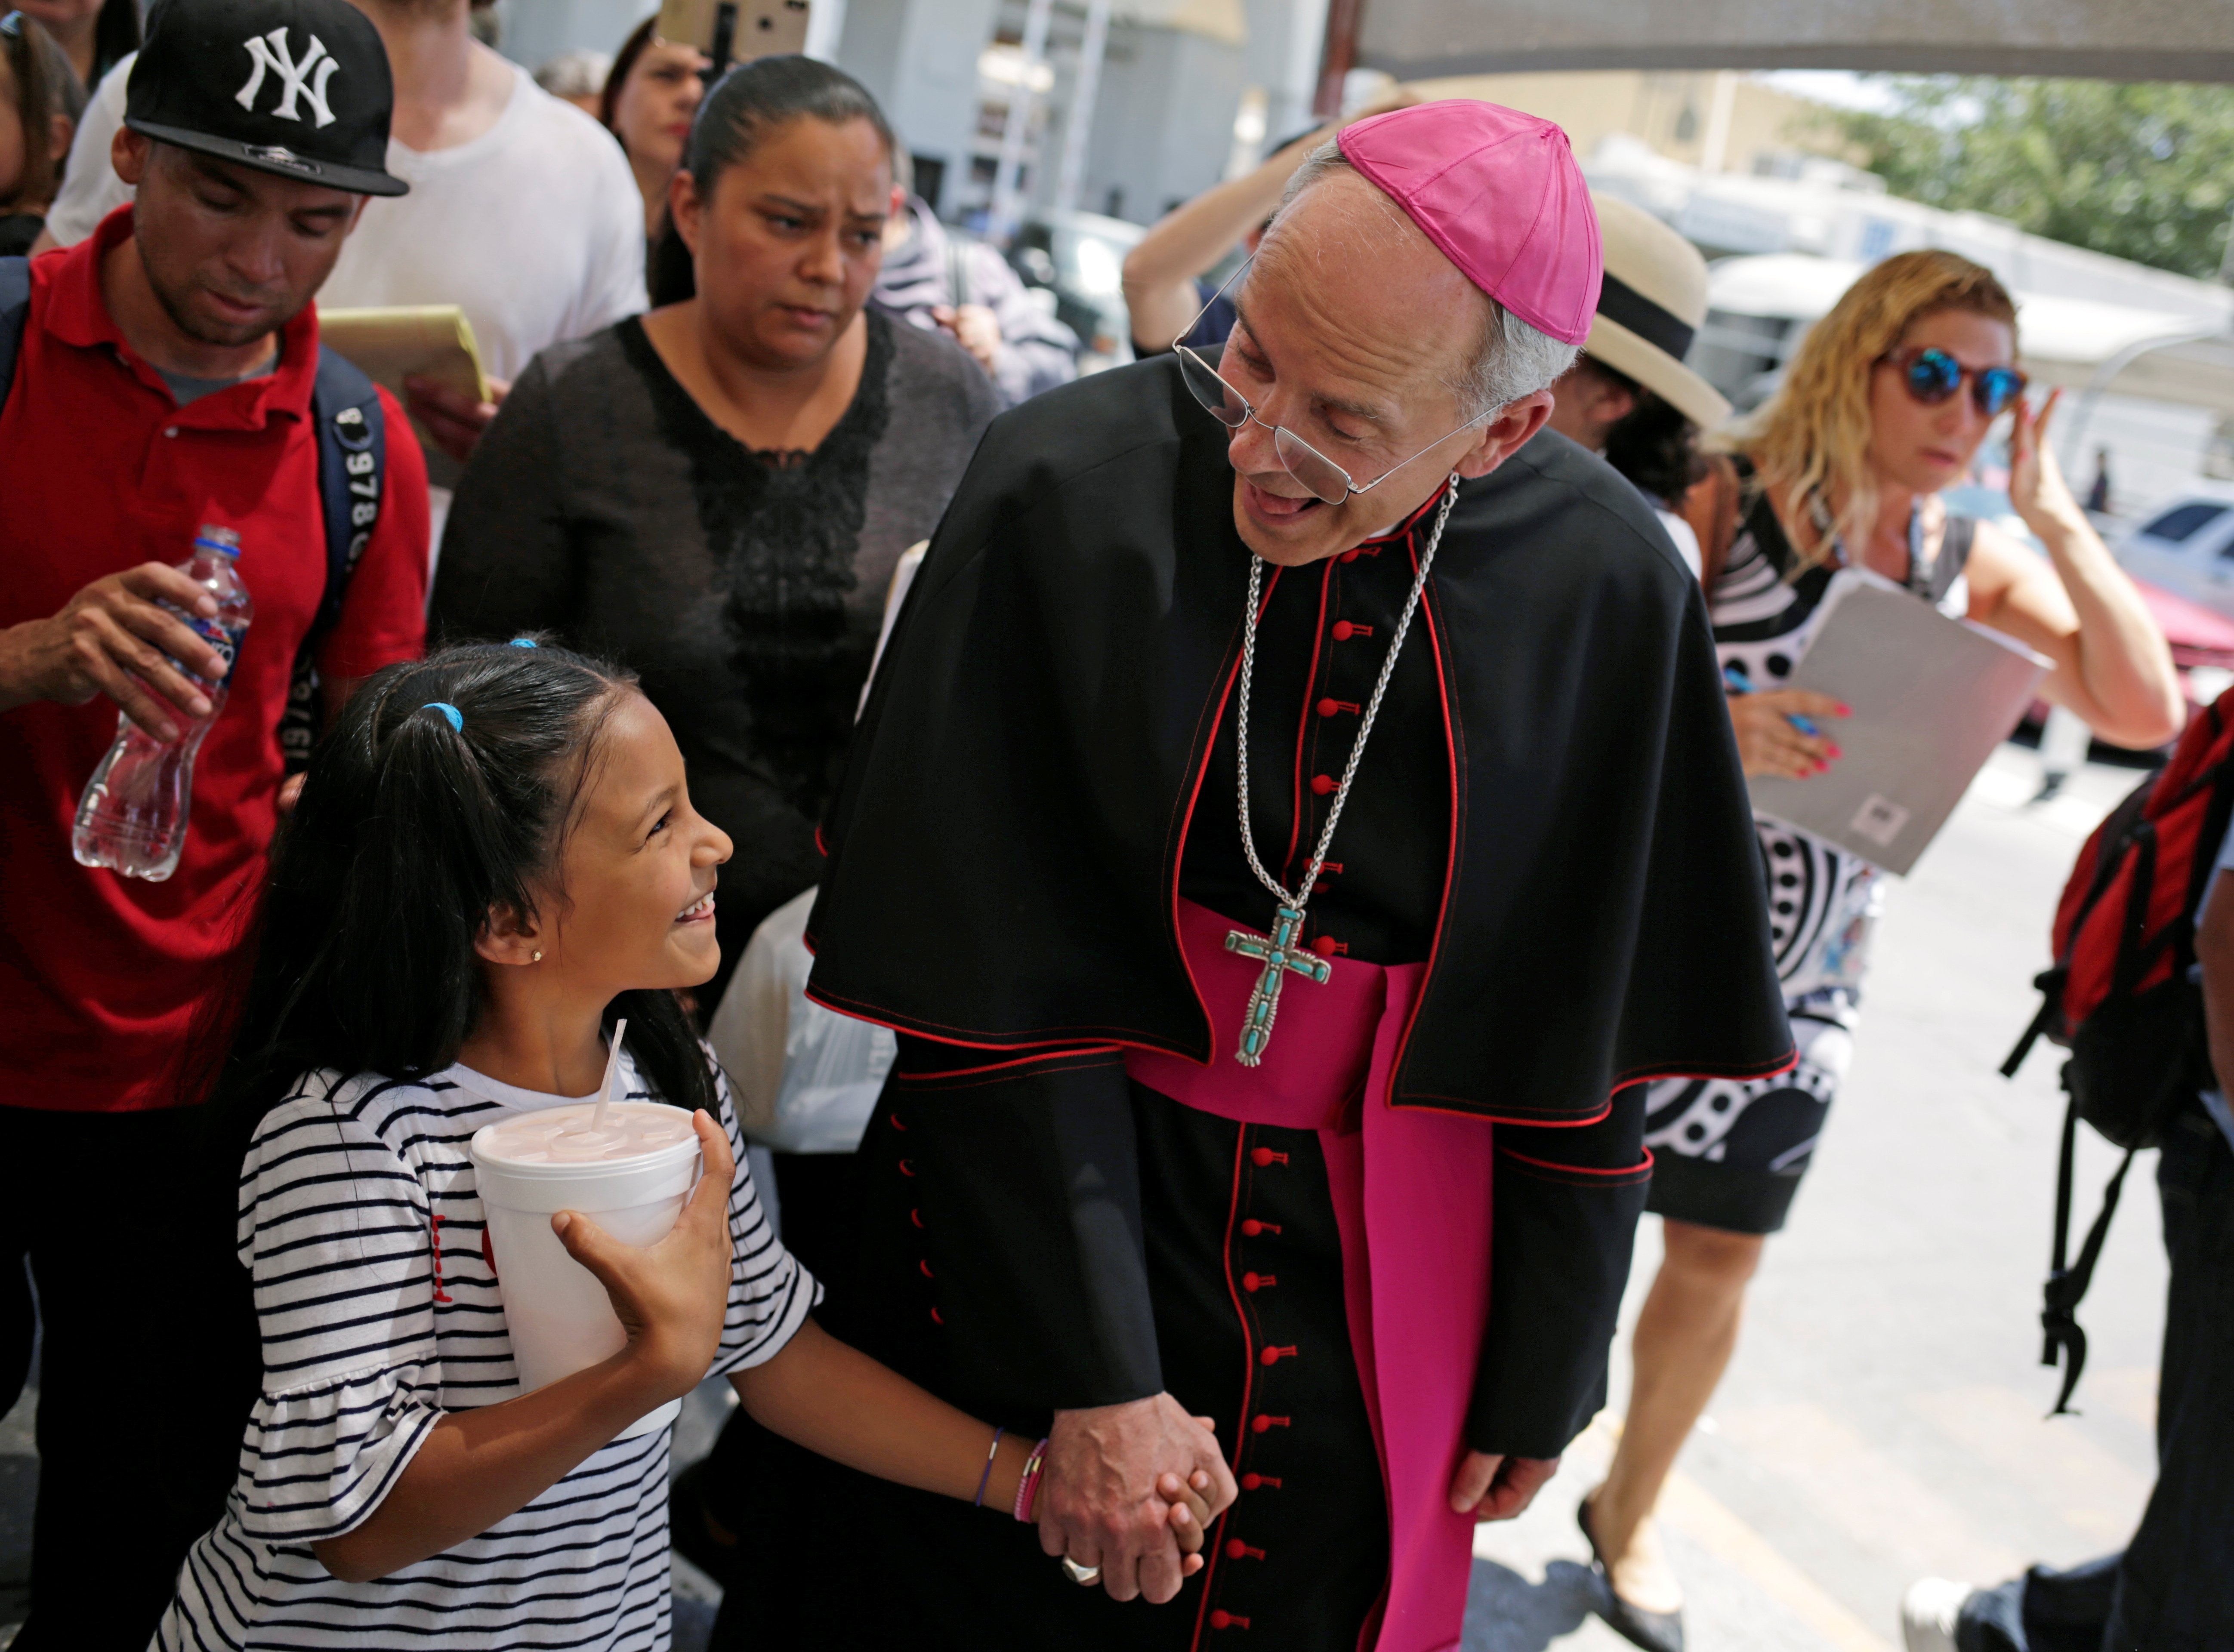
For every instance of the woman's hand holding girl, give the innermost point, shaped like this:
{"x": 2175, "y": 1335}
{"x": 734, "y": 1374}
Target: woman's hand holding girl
{"x": 671, "y": 1297}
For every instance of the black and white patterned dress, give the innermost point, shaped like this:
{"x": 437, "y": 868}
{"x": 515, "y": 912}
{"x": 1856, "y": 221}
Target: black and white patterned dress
{"x": 1730, "y": 1154}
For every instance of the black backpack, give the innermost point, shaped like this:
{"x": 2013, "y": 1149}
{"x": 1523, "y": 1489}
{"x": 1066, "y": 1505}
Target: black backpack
{"x": 352, "y": 476}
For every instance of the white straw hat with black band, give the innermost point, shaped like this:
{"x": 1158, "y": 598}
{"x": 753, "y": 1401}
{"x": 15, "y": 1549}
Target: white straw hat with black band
{"x": 1650, "y": 307}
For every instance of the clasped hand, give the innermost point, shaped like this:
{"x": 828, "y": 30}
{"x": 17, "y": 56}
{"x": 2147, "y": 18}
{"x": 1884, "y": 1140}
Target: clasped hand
{"x": 1116, "y": 1494}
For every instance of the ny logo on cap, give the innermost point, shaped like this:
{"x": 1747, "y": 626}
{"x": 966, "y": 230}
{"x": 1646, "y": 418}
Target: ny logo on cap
{"x": 296, "y": 79}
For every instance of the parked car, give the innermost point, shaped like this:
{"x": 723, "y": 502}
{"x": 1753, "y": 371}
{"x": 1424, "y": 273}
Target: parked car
{"x": 2202, "y": 637}
{"x": 2187, "y": 547}
{"x": 1080, "y": 256}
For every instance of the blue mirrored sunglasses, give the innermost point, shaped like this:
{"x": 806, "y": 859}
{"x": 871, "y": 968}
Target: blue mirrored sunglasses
{"x": 1933, "y": 376}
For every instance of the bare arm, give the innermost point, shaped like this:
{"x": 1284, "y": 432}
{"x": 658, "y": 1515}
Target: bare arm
{"x": 478, "y": 1467}
{"x": 836, "y": 1400}
{"x": 2214, "y": 949}
{"x": 2112, "y": 665}
{"x": 1159, "y": 271}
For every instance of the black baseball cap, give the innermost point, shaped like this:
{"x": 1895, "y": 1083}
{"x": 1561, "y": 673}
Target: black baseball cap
{"x": 300, "y": 88}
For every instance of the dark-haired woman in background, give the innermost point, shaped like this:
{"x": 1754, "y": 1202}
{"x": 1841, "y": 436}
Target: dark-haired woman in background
{"x": 40, "y": 102}
{"x": 95, "y": 35}
{"x": 650, "y": 97}
{"x": 1629, "y": 396}
{"x": 716, "y": 495}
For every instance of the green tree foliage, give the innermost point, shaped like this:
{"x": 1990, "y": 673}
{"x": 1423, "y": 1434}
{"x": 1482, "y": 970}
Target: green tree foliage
{"x": 2143, "y": 172}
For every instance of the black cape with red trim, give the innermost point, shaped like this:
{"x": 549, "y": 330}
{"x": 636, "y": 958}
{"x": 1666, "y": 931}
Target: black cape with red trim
{"x": 1005, "y": 847}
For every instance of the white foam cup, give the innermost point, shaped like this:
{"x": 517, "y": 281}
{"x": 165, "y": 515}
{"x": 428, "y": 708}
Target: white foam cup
{"x": 558, "y": 1315}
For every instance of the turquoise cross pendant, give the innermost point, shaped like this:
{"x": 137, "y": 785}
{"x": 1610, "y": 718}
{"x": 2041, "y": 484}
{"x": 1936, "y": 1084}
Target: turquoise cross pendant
{"x": 1282, "y": 953}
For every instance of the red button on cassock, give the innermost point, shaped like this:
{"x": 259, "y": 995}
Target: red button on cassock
{"x": 1260, "y": 1156}
{"x": 1251, "y": 1482}
{"x": 1221, "y": 1620}
{"x": 1329, "y": 706}
{"x": 1321, "y": 784}
{"x": 1341, "y": 630}
{"x": 1325, "y": 946}
{"x": 1250, "y": 1281}
{"x": 1235, "y": 1548}
{"x": 1274, "y": 1355}
{"x": 1349, "y": 556}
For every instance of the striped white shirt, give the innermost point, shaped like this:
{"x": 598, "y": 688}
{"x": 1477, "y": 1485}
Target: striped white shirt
{"x": 363, "y": 1228}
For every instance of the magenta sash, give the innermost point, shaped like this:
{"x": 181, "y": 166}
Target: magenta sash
{"x": 1411, "y": 1195}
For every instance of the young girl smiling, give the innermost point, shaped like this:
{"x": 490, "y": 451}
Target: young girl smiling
{"x": 493, "y": 857}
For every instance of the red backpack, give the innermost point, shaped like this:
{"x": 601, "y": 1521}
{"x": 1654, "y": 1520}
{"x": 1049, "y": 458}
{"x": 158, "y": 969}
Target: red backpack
{"x": 2122, "y": 997}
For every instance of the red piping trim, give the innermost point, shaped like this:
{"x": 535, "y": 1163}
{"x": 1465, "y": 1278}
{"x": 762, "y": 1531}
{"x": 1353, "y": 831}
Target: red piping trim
{"x": 1581, "y": 1170}
{"x": 1021, "y": 1061}
{"x": 1248, "y": 1370}
{"x": 1303, "y": 725}
{"x": 1179, "y": 847}
{"x": 1783, "y": 1063}
{"x": 1450, "y": 848}
{"x": 1045, "y": 1038}
{"x": 921, "y": 1084}
{"x": 820, "y": 847}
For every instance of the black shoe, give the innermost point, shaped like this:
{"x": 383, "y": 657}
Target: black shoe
{"x": 1654, "y": 1631}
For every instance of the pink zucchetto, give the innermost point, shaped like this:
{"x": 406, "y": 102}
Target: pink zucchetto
{"x": 1500, "y": 193}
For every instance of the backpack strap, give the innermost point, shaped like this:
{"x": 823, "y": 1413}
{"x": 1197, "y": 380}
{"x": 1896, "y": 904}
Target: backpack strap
{"x": 2067, "y": 1284}
{"x": 352, "y": 432}
{"x": 1934, "y": 582}
{"x": 15, "y": 315}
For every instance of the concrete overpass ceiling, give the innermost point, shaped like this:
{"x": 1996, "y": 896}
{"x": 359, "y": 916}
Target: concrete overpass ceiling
{"x": 2125, "y": 40}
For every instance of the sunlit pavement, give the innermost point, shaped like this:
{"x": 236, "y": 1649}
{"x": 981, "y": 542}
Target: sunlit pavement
{"x": 1884, "y": 1417}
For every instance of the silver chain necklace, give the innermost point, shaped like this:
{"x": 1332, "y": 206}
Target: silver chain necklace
{"x": 1282, "y": 953}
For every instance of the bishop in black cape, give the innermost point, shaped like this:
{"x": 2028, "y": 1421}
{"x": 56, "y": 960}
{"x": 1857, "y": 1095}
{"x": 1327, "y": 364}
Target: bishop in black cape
{"x": 1549, "y": 837}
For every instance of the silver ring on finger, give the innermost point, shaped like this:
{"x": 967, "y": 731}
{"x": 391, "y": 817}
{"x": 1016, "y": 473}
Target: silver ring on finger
{"x": 1086, "y": 1577}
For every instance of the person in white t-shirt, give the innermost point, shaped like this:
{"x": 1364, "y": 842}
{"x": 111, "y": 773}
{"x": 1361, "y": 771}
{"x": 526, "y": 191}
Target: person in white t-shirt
{"x": 522, "y": 210}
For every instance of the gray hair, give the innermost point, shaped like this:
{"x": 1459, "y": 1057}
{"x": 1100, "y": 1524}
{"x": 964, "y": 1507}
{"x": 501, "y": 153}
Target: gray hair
{"x": 1511, "y": 360}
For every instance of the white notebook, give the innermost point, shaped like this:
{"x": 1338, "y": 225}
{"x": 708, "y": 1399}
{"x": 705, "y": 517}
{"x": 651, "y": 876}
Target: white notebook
{"x": 1932, "y": 698}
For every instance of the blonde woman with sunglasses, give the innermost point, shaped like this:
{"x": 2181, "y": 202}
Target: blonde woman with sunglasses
{"x": 1885, "y": 403}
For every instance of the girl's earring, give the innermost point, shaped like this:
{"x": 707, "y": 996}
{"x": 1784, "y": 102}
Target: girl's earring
{"x": 537, "y": 958}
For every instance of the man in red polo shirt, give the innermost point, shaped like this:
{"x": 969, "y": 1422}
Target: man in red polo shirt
{"x": 163, "y": 382}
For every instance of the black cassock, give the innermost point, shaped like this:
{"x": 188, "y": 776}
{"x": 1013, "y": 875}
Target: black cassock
{"x": 1550, "y": 816}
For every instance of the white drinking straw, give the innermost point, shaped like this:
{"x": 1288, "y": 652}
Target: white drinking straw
{"x": 612, "y": 1067}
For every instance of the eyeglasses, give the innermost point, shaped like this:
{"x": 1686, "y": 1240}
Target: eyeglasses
{"x": 1326, "y": 481}
{"x": 1933, "y": 376}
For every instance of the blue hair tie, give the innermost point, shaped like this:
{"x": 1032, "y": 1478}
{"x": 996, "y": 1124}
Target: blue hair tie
{"x": 526, "y": 642}
{"x": 450, "y": 714}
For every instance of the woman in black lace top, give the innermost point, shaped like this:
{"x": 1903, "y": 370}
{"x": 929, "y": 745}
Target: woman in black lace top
{"x": 716, "y": 494}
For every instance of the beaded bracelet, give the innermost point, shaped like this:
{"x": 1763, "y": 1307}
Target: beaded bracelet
{"x": 985, "y": 1479}
{"x": 1028, "y": 1487}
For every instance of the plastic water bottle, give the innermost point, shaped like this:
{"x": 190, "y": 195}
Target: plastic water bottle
{"x": 133, "y": 817}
